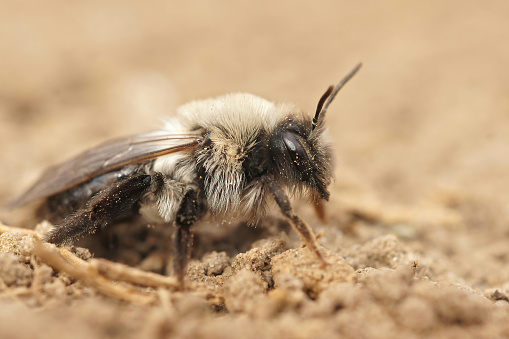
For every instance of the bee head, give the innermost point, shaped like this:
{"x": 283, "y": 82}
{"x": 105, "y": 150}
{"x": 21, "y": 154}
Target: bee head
{"x": 301, "y": 157}
{"x": 300, "y": 154}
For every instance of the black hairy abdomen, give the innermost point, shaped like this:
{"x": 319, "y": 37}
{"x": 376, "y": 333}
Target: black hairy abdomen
{"x": 60, "y": 205}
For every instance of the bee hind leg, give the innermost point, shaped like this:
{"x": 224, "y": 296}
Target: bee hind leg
{"x": 190, "y": 211}
{"x": 114, "y": 201}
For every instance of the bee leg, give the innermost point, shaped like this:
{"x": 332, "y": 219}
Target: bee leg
{"x": 191, "y": 210}
{"x": 298, "y": 224}
{"x": 321, "y": 211}
{"x": 113, "y": 201}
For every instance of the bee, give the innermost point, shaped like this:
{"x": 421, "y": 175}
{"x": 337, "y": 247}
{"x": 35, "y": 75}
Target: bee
{"x": 224, "y": 157}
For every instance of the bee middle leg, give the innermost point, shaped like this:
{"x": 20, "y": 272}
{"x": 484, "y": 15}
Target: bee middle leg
{"x": 191, "y": 210}
{"x": 114, "y": 201}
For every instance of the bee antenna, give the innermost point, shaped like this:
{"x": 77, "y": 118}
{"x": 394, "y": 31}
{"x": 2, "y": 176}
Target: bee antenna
{"x": 329, "y": 95}
{"x": 320, "y": 104}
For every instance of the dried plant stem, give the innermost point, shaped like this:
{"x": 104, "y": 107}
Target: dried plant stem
{"x": 88, "y": 274}
{"x": 24, "y": 231}
{"x": 131, "y": 275}
{"x": 108, "y": 278}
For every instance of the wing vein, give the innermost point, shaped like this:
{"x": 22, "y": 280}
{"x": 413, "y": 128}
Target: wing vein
{"x": 107, "y": 157}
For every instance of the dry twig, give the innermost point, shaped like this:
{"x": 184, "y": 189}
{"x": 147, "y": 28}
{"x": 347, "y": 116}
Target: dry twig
{"x": 111, "y": 279}
{"x": 83, "y": 271}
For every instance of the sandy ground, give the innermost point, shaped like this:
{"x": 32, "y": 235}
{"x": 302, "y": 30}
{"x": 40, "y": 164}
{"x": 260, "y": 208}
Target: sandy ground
{"x": 418, "y": 231}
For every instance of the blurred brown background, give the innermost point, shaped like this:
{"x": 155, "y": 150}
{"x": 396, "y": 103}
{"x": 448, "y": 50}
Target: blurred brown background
{"x": 427, "y": 114}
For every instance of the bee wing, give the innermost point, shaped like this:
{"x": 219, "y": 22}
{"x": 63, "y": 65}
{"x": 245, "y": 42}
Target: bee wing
{"x": 109, "y": 156}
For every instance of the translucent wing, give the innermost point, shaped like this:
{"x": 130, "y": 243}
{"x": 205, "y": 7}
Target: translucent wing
{"x": 109, "y": 156}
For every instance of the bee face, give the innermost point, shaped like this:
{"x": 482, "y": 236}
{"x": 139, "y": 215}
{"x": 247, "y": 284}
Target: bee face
{"x": 301, "y": 159}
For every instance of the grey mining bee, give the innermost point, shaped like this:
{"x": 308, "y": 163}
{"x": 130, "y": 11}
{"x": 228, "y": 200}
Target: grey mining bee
{"x": 222, "y": 157}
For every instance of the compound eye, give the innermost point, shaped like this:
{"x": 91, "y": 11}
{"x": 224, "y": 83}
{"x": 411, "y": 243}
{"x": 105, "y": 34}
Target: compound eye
{"x": 298, "y": 154}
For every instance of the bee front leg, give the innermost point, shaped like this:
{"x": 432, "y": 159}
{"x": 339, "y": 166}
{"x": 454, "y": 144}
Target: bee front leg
{"x": 190, "y": 211}
{"x": 298, "y": 224}
{"x": 112, "y": 202}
